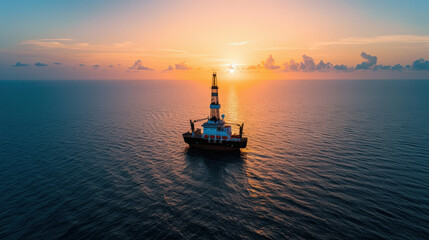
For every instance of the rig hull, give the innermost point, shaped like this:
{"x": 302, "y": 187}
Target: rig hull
{"x": 214, "y": 144}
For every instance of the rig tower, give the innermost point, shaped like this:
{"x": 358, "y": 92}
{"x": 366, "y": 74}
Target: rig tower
{"x": 214, "y": 105}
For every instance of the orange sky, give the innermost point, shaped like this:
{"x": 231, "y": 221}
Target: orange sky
{"x": 189, "y": 39}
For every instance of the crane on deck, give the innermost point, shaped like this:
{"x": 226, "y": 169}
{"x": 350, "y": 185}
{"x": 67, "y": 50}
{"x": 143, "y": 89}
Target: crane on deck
{"x": 193, "y": 124}
{"x": 241, "y": 126}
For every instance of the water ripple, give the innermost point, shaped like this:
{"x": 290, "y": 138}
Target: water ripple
{"x": 325, "y": 160}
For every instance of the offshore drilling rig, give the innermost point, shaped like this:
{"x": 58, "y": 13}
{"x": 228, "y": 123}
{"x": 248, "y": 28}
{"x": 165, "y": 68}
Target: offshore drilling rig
{"x": 216, "y": 133}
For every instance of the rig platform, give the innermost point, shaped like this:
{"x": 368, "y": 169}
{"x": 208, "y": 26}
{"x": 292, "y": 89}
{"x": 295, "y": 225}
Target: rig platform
{"x": 216, "y": 134}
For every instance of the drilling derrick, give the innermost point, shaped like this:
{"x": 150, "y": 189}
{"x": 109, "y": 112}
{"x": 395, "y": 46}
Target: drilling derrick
{"x": 214, "y": 105}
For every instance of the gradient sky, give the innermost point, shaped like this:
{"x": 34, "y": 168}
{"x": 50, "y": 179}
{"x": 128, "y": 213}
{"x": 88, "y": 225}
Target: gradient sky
{"x": 103, "y": 39}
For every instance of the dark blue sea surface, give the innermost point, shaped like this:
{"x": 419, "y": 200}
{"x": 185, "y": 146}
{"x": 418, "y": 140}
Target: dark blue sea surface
{"x": 106, "y": 160}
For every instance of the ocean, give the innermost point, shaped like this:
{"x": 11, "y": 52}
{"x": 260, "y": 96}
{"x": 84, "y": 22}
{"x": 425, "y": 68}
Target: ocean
{"x": 326, "y": 159}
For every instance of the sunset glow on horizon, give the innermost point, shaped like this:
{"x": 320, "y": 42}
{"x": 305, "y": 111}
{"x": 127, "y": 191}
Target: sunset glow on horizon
{"x": 226, "y": 119}
{"x": 238, "y": 39}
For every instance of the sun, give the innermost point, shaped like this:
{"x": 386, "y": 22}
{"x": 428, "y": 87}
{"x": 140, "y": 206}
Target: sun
{"x": 231, "y": 68}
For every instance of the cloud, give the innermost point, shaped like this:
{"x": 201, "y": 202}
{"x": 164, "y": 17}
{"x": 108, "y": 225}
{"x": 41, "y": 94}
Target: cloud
{"x": 291, "y": 66}
{"x": 420, "y": 64}
{"x": 252, "y": 67}
{"x": 170, "y": 68}
{"x": 39, "y": 64}
{"x": 324, "y": 67}
{"x": 58, "y": 63}
{"x": 47, "y": 43}
{"x": 270, "y": 63}
{"x": 170, "y": 50}
{"x": 138, "y": 66}
{"x": 238, "y": 43}
{"x": 71, "y": 44}
{"x": 424, "y": 39}
{"x": 341, "y": 67}
{"x": 81, "y": 65}
{"x": 398, "y": 67}
{"x": 182, "y": 66}
{"x": 278, "y": 48}
{"x": 169, "y": 53}
{"x": 309, "y": 65}
{"x": 53, "y": 39}
{"x": 382, "y": 67}
{"x": 18, "y": 64}
{"x": 96, "y": 66}
{"x": 110, "y": 66}
{"x": 370, "y": 61}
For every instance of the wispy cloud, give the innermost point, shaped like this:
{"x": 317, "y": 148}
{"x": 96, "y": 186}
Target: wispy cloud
{"x": 72, "y": 44}
{"x": 123, "y": 44}
{"x": 54, "y": 39}
{"x": 277, "y": 48}
{"x": 221, "y": 60}
{"x": 168, "y": 53}
{"x": 47, "y": 43}
{"x": 238, "y": 43}
{"x": 424, "y": 39}
{"x": 161, "y": 50}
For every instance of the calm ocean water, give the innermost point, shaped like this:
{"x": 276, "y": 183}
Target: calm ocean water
{"x": 106, "y": 160}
